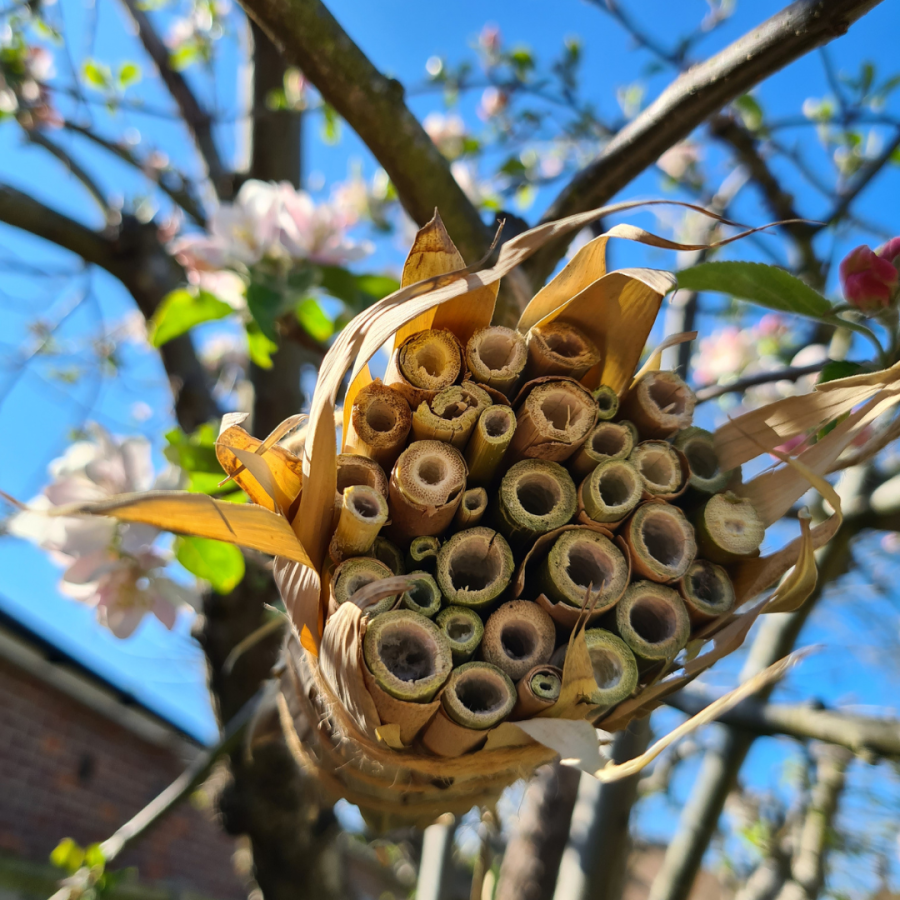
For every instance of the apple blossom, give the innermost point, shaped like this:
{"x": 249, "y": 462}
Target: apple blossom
{"x": 447, "y": 132}
{"x": 869, "y": 280}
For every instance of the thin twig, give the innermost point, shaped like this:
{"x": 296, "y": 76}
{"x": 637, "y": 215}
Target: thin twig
{"x": 91, "y": 186}
{"x": 711, "y": 391}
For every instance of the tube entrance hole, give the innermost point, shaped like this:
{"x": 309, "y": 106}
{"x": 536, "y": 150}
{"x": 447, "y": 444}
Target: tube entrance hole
{"x": 608, "y": 441}
{"x": 657, "y": 467}
{"x": 366, "y": 507}
{"x": 497, "y": 423}
{"x": 669, "y": 398}
{"x": 479, "y": 694}
{"x": 381, "y": 417}
{"x": 706, "y": 587}
{"x": 538, "y": 494}
{"x": 663, "y": 539}
{"x": 406, "y": 656}
{"x": 431, "y": 470}
{"x": 653, "y": 619}
{"x": 460, "y": 631}
{"x": 616, "y": 487}
{"x": 496, "y": 350}
{"x": 518, "y": 640}
{"x": 561, "y": 411}
{"x": 702, "y": 459}
{"x": 607, "y": 668}
{"x": 588, "y": 566}
{"x": 474, "y": 566}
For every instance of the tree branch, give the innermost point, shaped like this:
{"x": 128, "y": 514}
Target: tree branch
{"x": 78, "y": 172}
{"x": 690, "y": 99}
{"x": 711, "y": 391}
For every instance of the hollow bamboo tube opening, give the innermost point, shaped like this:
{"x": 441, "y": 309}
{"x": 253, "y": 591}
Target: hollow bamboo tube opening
{"x": 407, "y": 655}
{"x": 659, "y": 466}
{"x": 552, "y": 422}
{"x": 728, "y": 528}
{"x": 487, "y": 446}
{"x": 517, "y": 637}
{"x": 535, "y": 497}
{"x": 559, "y": 349}
{"x": 363, "y": 512}
{"x": 659, "y": 405}
{"x": 380, "y": 421}
{"x": 474, "y": 567}
{"x": 611, "y": 491}
{"x": 661, "y": 541}
{"x": 423, "y": 597}
{"x": 614, "y": 665}
{"x": 653, "y": 621}
{"x": 607, "y": 402}
{"x": 356, "y": 573}
{"x": 451, "y": 415}
{"x": 389, "y": 553}
{"x": 607, "y": 440}
{"x": 463, "y": 629}
{"x": 478, "y": 696}
{"x": 707, "y": 591}
{"x": 545, "y": 683}
{"x": 496, "y": 356}
{"x": 430, "y": 360}
{"x": 473, "y": 507}
{"x": 425, "y": 489}
{"x": 537, "y": 690}
{"x": 422, "y": 553}
{"x": 699, "y": 449}
{"x": 582, "y": 563}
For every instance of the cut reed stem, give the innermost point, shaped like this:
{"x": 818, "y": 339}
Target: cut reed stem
{"x": 422, "y": 553}
{"x": 537, "y": 691}
{"x": 728, "y": 528}
{"x": 517, "y": 637}
{"x": 661, "y": 469}
{"x": 463, "y": 629}
{"x": 559, "y": 349}
{"x": 607, "y": 402}
{"x": 699, "y": 449}
{"x": 423, "y": 597}
{"x": 614, "y": 665}
{"x": 451, "y": 415}
{"x": 583, "y": 564}
{"x": 607, "y": 440}
{"x": 496, "y": 357}
{"x": 389, "y": 553}
{"x": 707, "y": 591}
{"x": 363, "y": 512}
{"x": 425, "y": 362}
{"x": 659, "y": 405}
{"x": 611, "y": 491}
{"x": 661, "y": 542}
{"x": 535, "y": 497}
{"x": 353, "y": 574}
{"x": 474, "y": 568}
{"x": 478, "y": 695}
{"x": 380, "y": 421}
{"x": 473, "y": 507}
{"x": 653, "y": 621}
{"x": 488, "y": 444}
{"x": 352, "y": 470}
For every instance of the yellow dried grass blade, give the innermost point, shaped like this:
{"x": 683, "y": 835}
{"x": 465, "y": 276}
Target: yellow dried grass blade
{"x": 793, "y": 592}
{"x": 300, "y": 587}
{"x": 654, "y": 360}
{"x": 259, "y": 468}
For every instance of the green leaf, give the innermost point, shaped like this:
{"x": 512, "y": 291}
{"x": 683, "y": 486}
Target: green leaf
{"x": 838, "y": 368}
{"x": 313, "y": 320}
{"x": 377, "y": 286}
{"x": 180, "y": 311}
{"x": 94, "y": 857}
{"x": 758, "y": 283}
{"x": 265, "y": 305}
{"x": 221, "y": 564}
{"x": 184, "y": 57}
{"x": 129, "y": 74}
{"x": 259, "y": 347}
{"x": 67, "y": 855}
{"x": 96, "y": 74}
{"x": 357, "y": 291}
{"x": 750, "y": 111}
{"x": 194, "y": 452}
{"x": 331, "y": 124}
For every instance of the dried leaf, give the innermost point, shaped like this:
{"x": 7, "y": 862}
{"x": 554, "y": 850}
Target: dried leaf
{"x": 574, "y": 740}
{"x": 300, "y": 588}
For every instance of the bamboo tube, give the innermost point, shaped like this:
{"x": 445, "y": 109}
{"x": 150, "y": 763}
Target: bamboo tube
{"x": 607, "y": 402}
{"x": 535, "y": 497}
{"x": 518, "y": 636}
{"x": 661, "y": 541}
{"x": 388, "y": 553}
{"x": 728, "y": 528}
{"x": 659, "y": 405}
{"x": 652, "y": 620}
{"x": 697, "y": 445}
{"x": 355, "y": 573}
{"x": 496, "y": 356}
{"x": 473, "y": 507}
{"x": 552, "y": 421}
{"x": 707, "y": 591}
{"x": 582, "y": 563}
{"x": 614, "y": 665}
{"x": 463, "y": 629}
{"x": 487, "y": 446}
{"x": 477, "y": 697}
{"x": 426, "y": 487}
{"x": 607, "y": 440}
{"x": 451, "y": 415}
{"x": 422, "y": 553}
{"x": 558, "y": 348}
{"x": 407, "y": 655}
{"x": 536, "y": 691}
{"x": 611, "y": 491}
{"x": 427, "y": 361}
{"x": 423, "y": 597}
{"x": 474, "y": 568}
{"x": 660, "y": 467}
{"x": 379, "y": 424}
{"x": 363, "y": 512}
{"x": 353, "y": 470}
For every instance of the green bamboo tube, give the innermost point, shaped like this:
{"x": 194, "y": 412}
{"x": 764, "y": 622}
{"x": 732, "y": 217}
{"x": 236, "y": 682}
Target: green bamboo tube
{"x": 707, "y": 591}
{"x": 407, "y": 655}
{"x": 496, "y": 356}
{"x": 652, "y": 620}
{"x": 660, "y": 468}
{"x": 363, "y": 512}
{"x": 659, "y": 405}
{"x": 661, "y": 542}
{"x": 518, "y": 636}
{"x": 355, "y": 573}
{"x": 422, "y": 553}
{"x": 488, "y": 444}
{"x": 535, "y": 496}
{"x": 423, "y": 597}
{"x": 607, "y": 440}
{"x": 611, "y": 491}
{"x": 451, "y": 415}
{"x": 380, "y": 420}
{"x": 614, "y": 665}
{"x": 474, "y": 568}
{"x": 426, "y": 487}
{"x": 388, "y": 553}
{"x": 552, "y": 422}
{"x": 582, "y": 561}
{"x": 472, "y": 509}
{"x": 558, "y": 348}
{"x": 478, "y": 695}
{"x": 607, "y": 402}
{"x": 352, "y": 470}
{"x": 538, "y": 690}
{"x": 728, "y": 528}
{"x": 698, "y": 447}
{"x": 463, "y": 629}
{"x": 430, "y": 360}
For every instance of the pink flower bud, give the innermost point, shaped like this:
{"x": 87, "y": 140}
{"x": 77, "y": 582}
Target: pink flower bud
{"x": 891, "y": 252}
{"x": 868, "y": 279}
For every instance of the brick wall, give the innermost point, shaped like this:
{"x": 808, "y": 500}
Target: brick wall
{"x": 66, "y": 771}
